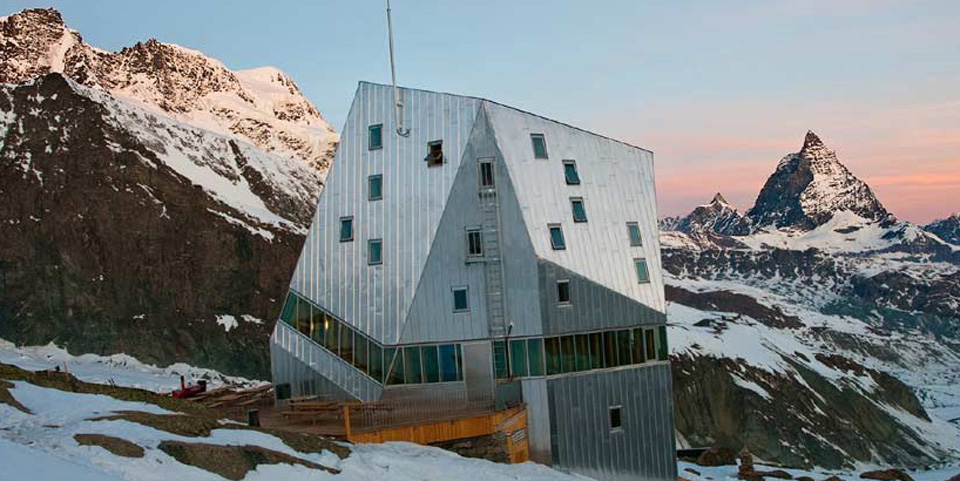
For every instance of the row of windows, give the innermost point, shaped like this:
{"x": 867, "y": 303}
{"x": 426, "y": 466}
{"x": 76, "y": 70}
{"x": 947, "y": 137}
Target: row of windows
{"x": 557, "y": 241}
{"x": 579, "y": 352}
{"x": 410, "y": 365}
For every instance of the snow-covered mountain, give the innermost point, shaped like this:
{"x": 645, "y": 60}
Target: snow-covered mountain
{"x": 808, "y": 187}
{"x": 826, "y": 335}
{"x": 262, "y": 106}
{"x": 717, "y": 216}
{"x": 946, "y": 229}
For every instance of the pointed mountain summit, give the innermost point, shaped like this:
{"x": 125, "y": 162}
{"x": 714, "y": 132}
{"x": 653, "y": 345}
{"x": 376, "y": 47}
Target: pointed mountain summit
{"x": 809, "y": 187}
{"x": 717, "y": 216}
{"x": 946, "y": 229}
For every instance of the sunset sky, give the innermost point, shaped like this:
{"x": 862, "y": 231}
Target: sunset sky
{"x": 720, "y": 91}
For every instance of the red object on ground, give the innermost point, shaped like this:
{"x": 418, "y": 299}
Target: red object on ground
{"x": 189, "y": 391}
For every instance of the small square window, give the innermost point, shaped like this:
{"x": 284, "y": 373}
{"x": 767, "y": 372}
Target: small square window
{"x": 556, "y": 237}
{"x": 633, "y": 230}
{"x": 435, "y": 155}
{"x": 375, "y": 137}
{"x": 616, "y": 419}
{"x": 375, "y": 187}
{"x": 460, "y": 299}
{"x": 346, "y": 229}
{"x": 570, "y": 172}
{"x": 643, "y": 275}
{"x": 486, "y": 173}
{"x": 375, "y": 252}
{"x": 539, "y": 146}
{"x": 563, "y": 292}
{"x": 579, "y": 212}
{"x": 474, "y": 243}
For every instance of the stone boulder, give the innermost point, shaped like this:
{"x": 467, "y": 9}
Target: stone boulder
{"x": 887, "y": 475}
{"x": 718, "y": 456}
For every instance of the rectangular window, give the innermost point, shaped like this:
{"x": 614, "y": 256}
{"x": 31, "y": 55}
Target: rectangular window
{"x": 616, "y": 421}
{"x": 376, "y": 362}
{"x": 539, "y": 146}
{"x": 579, "y": 212}
{"x": 448, "y": 363}
{"x": 651, "y": 344}
{"x": 662, "y": 351}
{"x": 316, "y": 326}
{"x": 474, "y": 243}
{"x": 518, "y": 358}
{"x": 375, "y": 137}
{"x": 568, "y": 357}
{"x": 303, "y": 316}
{"x": 435, "y": 153}
{"x": 610, "y": 349}
{"x": 346, "y": 229}
{"x": 332, "y": 335}
{"x": 553, "y": 355}
{"x": 596, "y": 350}
{"x": 431, "y": 364}
{"x": 623, "y": 348}
{"x": 556, "y": 237}
{"x": 375, "y": 252}
{"x": 638, "y": 357}
{"x": 360, "y": 351}
{"x": 570, "y": 172}
{"x": 633, "y": 230}
{"x": 583, "y": 352}
{"x": 412, "y": 370}
{"x": 486, "y": 173}
{"x": 643, "y": 275}
{"x": 375, "y": 187}
{"x": 535, "y": 355}
{"x": 563, "y": 292}
{"x": 346, "y": 343}
{"x": 461, "y": 301}
{"x": 393, "y": 360}
{"x": 500, "y": 359}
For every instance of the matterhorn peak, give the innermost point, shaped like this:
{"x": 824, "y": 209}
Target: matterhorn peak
{"x": 809, "y": 187}
{"x": 811, "y": 140}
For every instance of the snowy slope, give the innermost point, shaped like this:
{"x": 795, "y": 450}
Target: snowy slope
{"x": 260, "y": 106}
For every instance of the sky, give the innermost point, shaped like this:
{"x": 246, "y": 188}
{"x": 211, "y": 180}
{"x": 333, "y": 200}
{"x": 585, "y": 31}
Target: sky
{"x": 720, "y": 91}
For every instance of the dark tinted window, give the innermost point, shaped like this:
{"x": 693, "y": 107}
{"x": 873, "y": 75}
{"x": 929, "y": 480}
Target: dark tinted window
{"x": 376, "y": 362}
{"x": 570, "y": 173}
{"x": 634, "y": 231}
{"x": 500, "y": 359}
{"x": 360, "y": 352}
{"x": 616, "y": 423}
{"x": 474, "y": 243}
{"x": 624, "y": 352}
{"x": 518, "y": 358}
{"x": 460, "y": 300}
{"x": 563, "y": 292}
{"x": 435, "y": 154}
{"x": 411, "y": 365}
{"x": 596, "y": 350}
{"x": 486, "y": 173}
{"x": 375, "y": 137}
{"x": 662, "y": 351}
{"x": 583, "y": 351}
{"x": 535, "y": 356}
{"x": 448, "y": 363}
{"x": 579, "y": 212}
{"x": 539, "y": 146}
{"x": 610, "y": 349}
{"x": 556, "y": 238}
{"x": 568, "y": 358}
{"x": 375, "y": 252}
{"x": 346, "y": 229}
{"x": 553, "y": 355}
{"x": 650, "y": 343}
{"x": 375, "y": 187}
{"x": 431, "y": 364}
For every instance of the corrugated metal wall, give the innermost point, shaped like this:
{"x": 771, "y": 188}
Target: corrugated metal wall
{"x": 581, "y": 438}
{"x": 592, "y": 306}
{"x": 617, "y": 187}
{"x": 538, "y": 419}
{"x": 334, "y": 274}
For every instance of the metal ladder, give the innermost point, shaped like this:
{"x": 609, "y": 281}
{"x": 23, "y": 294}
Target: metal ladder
{"x": 493, "y": 265}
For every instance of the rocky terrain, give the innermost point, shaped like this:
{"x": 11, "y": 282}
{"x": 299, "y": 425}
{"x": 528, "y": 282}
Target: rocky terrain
{"x": 819, "y": 330}
{"x": 133, "y": 224}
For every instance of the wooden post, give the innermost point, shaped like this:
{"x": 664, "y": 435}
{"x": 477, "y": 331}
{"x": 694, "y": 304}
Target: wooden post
{"x": 346, "y": 419}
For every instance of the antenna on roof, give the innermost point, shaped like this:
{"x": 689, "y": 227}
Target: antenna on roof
{"x": 397, "y": 103}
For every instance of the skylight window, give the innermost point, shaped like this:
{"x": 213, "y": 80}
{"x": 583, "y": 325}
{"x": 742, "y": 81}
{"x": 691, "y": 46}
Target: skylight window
{"x": 579, "y": 212}
{"x": 556, "y": 237}
{"x": 643, "y": 275}
{"x": 570, "y": 172}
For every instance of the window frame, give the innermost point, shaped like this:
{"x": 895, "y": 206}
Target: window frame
{"x": 563, "y": 241}
{"x": 347, "y": 218}
{"x": 630, "y": 227}
{"x": 370, "y": 129}
{"x": 571, "y": 163}
{"x": 370, "y": 179}
{"x": 568, "y": 301}
{"x": 370, "y": 244}
{"x": 533, "y": 145}
{"x": 481, "y": 177}
{"x": 479, "y": 232}
{"x": 646, "y": 268}
{"x": 466, "y": 297}
{"x": 573, "y": 210}
{"x": 618, "y": 408}
{"x": 430, "y": 159}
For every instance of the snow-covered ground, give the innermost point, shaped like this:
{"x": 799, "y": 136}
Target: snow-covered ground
{"x": 724, "y": 473}
{"x": 119, "y": 369}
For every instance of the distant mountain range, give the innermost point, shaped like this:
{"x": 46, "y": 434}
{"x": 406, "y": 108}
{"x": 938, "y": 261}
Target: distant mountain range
{"x": 155, "y": 203}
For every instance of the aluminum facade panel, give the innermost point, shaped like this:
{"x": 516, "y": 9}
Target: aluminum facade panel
{"x": 334, "y": 274}
{"x": 616, "y": 184}
{"x": 582, "y": 440}
{"x": 538, "y": 419}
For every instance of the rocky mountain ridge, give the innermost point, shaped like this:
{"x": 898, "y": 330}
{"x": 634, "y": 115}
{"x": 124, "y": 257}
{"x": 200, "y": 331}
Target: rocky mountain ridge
{"x": 947, "y": 229}
{"x": 261, "y": 106}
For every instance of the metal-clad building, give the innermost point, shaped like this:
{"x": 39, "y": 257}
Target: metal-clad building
{"x": 489, "y": 255}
